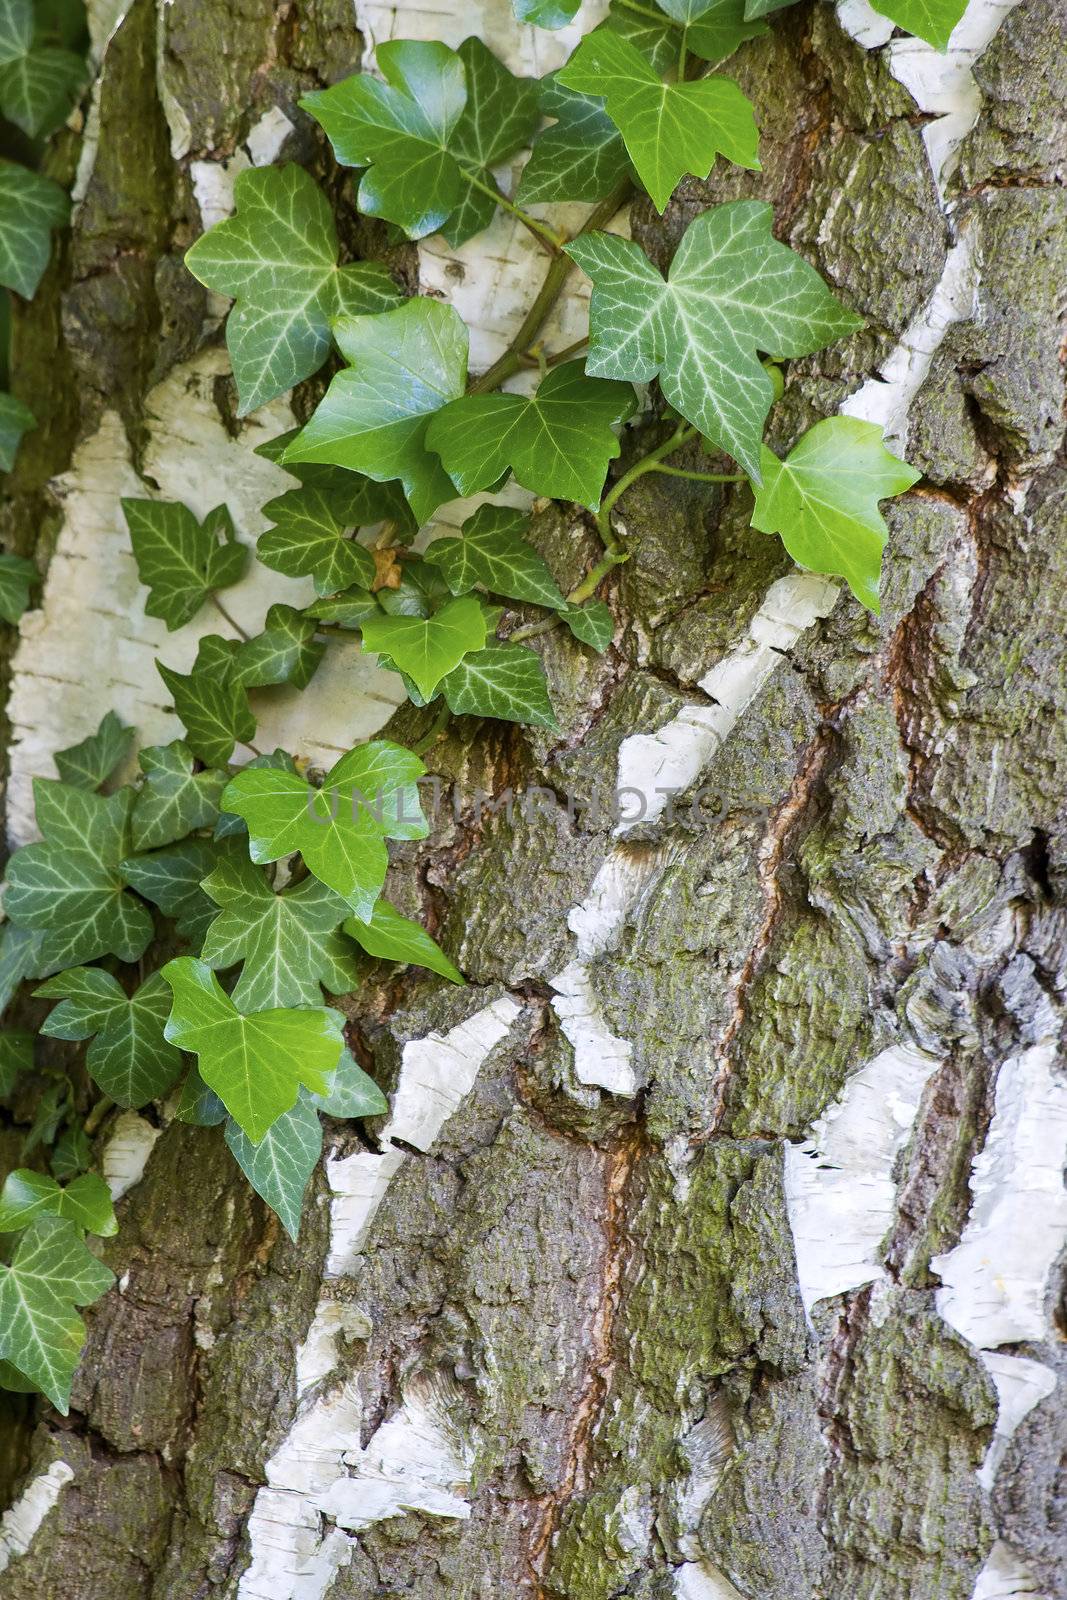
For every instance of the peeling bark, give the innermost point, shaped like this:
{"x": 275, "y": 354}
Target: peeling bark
{"x": 713, "y": 1245}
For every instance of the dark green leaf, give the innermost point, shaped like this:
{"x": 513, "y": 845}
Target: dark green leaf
{"x": 17, "y": 578}
{"x": 353, "y": 1094}
{"x": 349, "y": 610}
{"x": 16, "y": 1057}
{"x": 213, "y": 707}
{"x": 15, "y": 420}
{"x": 278, "y": 258}
{"x": 175, "y": 799}
{"x": 171, "y": 880}
{"x": 503, "y": 680}
{"x": 285, "y": 652}
{"x": 493, "y": 552}
{"x": 41, "y": 1334}
{"x": 90, "y": 763}
{"x": 581, "y": 156}
{"x": 30, "y": 207}
{"x": 592, "y": 623}
{"x": 129, "y": 1059}
{"x": 198, "y": 1104}
{"x": 279, "y": 1166}
{"x": 308, "y": 539}
{"x": 38, "y": 89}
{"x": 182, "y": 561}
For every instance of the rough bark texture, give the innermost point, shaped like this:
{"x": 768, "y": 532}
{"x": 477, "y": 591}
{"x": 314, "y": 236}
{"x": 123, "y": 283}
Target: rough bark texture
{"x": 595, "y": 1298}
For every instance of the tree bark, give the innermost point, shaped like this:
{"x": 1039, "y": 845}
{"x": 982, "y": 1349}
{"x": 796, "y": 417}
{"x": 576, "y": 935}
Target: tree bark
{"x": 711, "y": 1245}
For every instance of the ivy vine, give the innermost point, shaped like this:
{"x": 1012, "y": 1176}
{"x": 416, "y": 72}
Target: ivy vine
{"x": 139, "y": 896}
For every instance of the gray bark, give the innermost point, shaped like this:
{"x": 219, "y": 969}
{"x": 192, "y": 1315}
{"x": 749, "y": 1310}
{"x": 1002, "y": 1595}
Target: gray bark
{"x": 596, "y": 1297}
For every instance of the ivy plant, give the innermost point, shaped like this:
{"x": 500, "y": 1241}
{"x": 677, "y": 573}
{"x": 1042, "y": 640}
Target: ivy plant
{"x": 197, "y": 917}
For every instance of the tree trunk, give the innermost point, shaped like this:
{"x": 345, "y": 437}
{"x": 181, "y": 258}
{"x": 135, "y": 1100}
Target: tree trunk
{"x": 710, "y": 1247}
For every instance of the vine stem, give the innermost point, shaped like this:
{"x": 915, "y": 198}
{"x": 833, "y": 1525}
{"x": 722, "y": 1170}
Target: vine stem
{"x": 234, "y": 624}
{"x": 681, "y": 435}
{"x": 435, "y": 730}
{"x": 551, "y": 289}
{"x": 541, "y": 231}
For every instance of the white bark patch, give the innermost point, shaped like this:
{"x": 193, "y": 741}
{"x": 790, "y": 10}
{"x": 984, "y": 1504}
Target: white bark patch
{"x": 21, "y": 1521}
{"x": 839, "y": 1187}
{"x": 213, "y": 181}
{"x": 601, "y": 1058}
{"x": 669, "y": 761}
{"x": 701, "y": 1581}
{"x": 419, "y": 1459}
{"x": 1020, "y": 1384}
{"x": 126, "y": 1153}
{"x": 90, "y": 646}
{"x": 996, "y": 1279}
{"x": 1006, "y": 1577}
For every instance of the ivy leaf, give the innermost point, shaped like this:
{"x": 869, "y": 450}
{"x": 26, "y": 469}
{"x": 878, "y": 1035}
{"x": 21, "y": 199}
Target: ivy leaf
{"x": 429, "y": 133}
{"x": 16, "y": 29}
{"x": 500, "y": 116}
{"x": 71, "y": 1153}
{"x": 212, "y": 705}
{"x": 367, "y": 796}
{"x": 591, "y": 623}
{"x": 427, "y": 648}
{"x": 348, "y": 610}
{"x": 713, "y": 29}
{"x": 503, "y": 680}
{"x": 308, "y": 539}
{"x": 823, "y": 501}
{"x": 71, "y": 884}
{"x": 199, "y": 1105}
{"x": 763, "y": 8}
{"x": 255, "y": 1064}
{"x": 422, "y": 590}
{"x": 38, "y": 89}
{"x": 407, "y": 364}
{"x": 129, "y": 1059}
{"x": 17, "y": 578}
{"x": 546, "y": 13}
{"x": 90, "y": 763}
{"x": 16, "y": 1057}
{"x": 171, "y": 879}
{"x": 354, "y": 500}
{"x": 15, "y": 420}
{"x": 229, "y": 824}
{"x": 388, "y": 936}
{"x": 278, "y": 259}
{"x": 285, "y": 652}
{"x": 20, "y": 956}
{"x": 85, "y": 1202}
{"x": 669, "y": 129}
{"x": 279, "y": 1166}
{"x": 288, "y": 942}
{"x": 932, "y": 20}
{"x": 30, "y": 207}
{"x": 493, "y": 552}
{"x": 581, "y": 156}
{"x": 41, "y": 1334}
{"x": 179, "y": 560}
{"x": 558, "y": 442}
{"x": 175, "y": 798}
{"x": 353, "y": 1093}
{"x": 733, "y": 290}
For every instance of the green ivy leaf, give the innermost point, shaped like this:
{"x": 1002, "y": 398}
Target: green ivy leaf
{"x": 669, "y": 129}
{"x": 390, "y": 937}
{"x": 38, "y": 89}
{"x": 175, "y": 798}
{"x": 932, "y": 20}
{"x": 733, "y": 290}
{"x": 429, "y": 134}
{"x": 16, "y": 1057}
{"x": 354, "y": 500}
{"x": 278, "y": 259}
{"x": 30, "y": 207}
{"x": 407, "y": 364}
{"x": 17, "y": 578}
{"x": 129, "y": 1059}
{"x": 71, "y": 885}
{"x": 16, "y": 29}
{"x": 279, "y": 1166}
{"x": 493, "y": 552}
{"x": 71, "y": 1153}
{"x": 179, "y": 560}
{"x": 198, "y": 1104}
{"x": 340, "y": 829}
{"x": 823, "y": 501}
{"x": 348, "y": 610}
{"x": 546, "y": 13}
{"x": 41, "y": 1334}
{"x": 591, "y": 623}
{"x": 353, "y": 1093}
{"x": 212, "y": 705}
{"x": 764, "y": 8}
{"x": 427, "y": 648}
{"x": 229, "y": 824}
{"x": 285, "y": 652}
{"x": 713, "y": 29}
{"x": 171, "y": 879}
{"x": 308, "y": 539}
{"x": 581, "y": 156}
{"x": 503, "y": 680}
{"x": 85, "y": 1202}
{"x": 422, "y": 590}
{"x": 90, "y": 763}
{"x": 288, "y": 942}
{"x": 15, "y": 420}
{"x": 558, "y": 442}
{"x": 20, "y": 957}
{"x": 255, "y": 1064}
